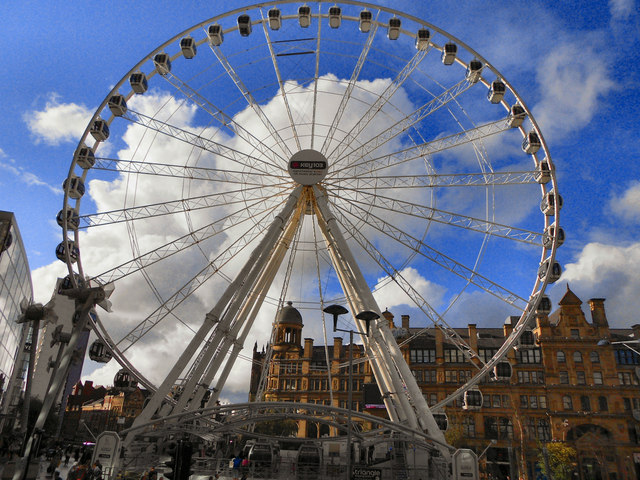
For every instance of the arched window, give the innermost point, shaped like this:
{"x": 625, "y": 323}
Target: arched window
{"x": 603, "y": 405}
{"x": 577, "y": 357}
{"x": 560, "y": 357}
{"x": 567, "y": 403}
{"x": 585, "y": 403}
{"x": 594, "y": 357}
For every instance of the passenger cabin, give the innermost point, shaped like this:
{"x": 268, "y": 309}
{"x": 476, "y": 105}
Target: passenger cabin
{"x": 117, "y": 104}
{"x": 335, "y": 16}
{"x": 124, "y": 379}
{"x": 99, "y": 130}
{"x": 516, "y": 116}
{"x": 138, "y": 82}
{"x": 304, "y": 16}
{"x": 73, "y": 219}
{"x": 162, "y": 63}
{"x": 76, "y": 187}
{"x": 502, "y": 371}
{"x": 549, "y": 271}
{"x": 472, "y": 399}
{"x": 188, "y": 47}
{"x": 544, "y": 306}
{"x": 549, "y": 234}
{"x": 365, "y": 21}
{"x": 422, "y": 39}
{"x": 496, "y": 91}
{"x": 98, "y": 352}
{"x": 474, "y": 71}
{"x": 61, "y": 251}
{"x": 442, "y": 420}
{"x": 67, "y": 283}
{"x": 531, "y": 143}
{"x": 393, "y": 30}
{"x": 549, "y": 203}
{"x": 244, "y": 25}
{"x": 216, "y": 37}
{"x": 543, "y": 173}
{"x": 449, "y": 52}
{"x": 275, "y": 19}
{"x": 85, "y": 157}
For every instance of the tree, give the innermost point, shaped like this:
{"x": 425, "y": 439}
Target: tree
{"x": 562, "y": 459}
{"x": 280, "y": 428}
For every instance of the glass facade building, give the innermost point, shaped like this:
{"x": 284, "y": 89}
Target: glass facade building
{"x": 15, "y": 286}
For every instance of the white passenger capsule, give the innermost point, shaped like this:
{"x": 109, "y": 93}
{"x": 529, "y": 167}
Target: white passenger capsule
{"x": 449, "y": 52}
{"x": 162, "y": 63}
{"x": 117, "y": 104}
{"x": 496, "y": 91}
{"x": 550, "y": 233}
{"x": 99, "y": 130}
{"x": 61, "y": 251}
{"x": 84, "y": 157}
{"x": 76, "y": 187}
{"x": 275, "y": 20}
{"x": 335, "y": 16}
{"x": 216, "y": 37}
{"x": 138, "y": 82}
{"x": 244, "y": 25}
{"x": 531, "y": 143}
{"x": 98, "y": 352}
{"x": 544, "y": 306}
{"x": 472, "y": 399}
{"x": 442, "y": 420}
{"x": 502, "y": 371}
{"x": 543, "y": 173}
{"x": 422, "y": 39}
{"x": 365, "y": 21}
{"x": 188, "y": 47}
{"x": 393, "y": 30}
{"x": 516, "y": 116}
{"x": 304, "y": 16}
{"x": 550, "y": 202}
{"x": 474, "y": 71}
{"x": 73, "y": 219}
{"x": 550, "y": 271}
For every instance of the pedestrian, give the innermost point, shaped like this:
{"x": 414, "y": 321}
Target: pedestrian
{"x": 237, "y": 463}
{"x": 153, "y": 475}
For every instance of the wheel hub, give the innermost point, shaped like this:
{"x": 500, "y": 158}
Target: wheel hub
{"x": 308, "y": 167}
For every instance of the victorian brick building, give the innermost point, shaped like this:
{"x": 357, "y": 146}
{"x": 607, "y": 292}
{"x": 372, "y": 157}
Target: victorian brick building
{"x": 569, "y": 381}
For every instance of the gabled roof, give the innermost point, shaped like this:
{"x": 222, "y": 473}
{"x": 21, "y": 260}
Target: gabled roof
{"x": 570, "y": 298}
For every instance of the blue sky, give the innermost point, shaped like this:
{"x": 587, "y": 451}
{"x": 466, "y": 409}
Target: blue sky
{"x": 574, "y": 63}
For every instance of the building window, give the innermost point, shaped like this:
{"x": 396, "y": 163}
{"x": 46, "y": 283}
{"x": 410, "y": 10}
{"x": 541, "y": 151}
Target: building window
{"x": 451, "y": 376}
{"x": 627, "y": 404}
{"x": 432, "y": 399}
{"x": 533, "y": 401}
{"x": 506, "y": 403}
{"x": 530, "y": 376}
{"x": 524, "y": 401}
{"x": 626, "y": 378}
{"x": 542, "y": 401}
{"x": 422, "y": 355}
{"x": 603, "y": 405}
{"x": 505, "y": 428}
{"x": 626, "y": 357}
{"x": 560, "y": 357}
{"x": 585, "y": 403}
{"x": 581, "y": 378}
{"x": 527, "y": 338}
{"x": 575, "y": 333}
{"x": 529, "y": 355}
{"x": 430, "y": 376}
{"x": 486, "y": 354}
{"x": 594, "y": 357}
{"x": 577, "y": 357}
{"x": 469, "y": 427}
{"x": 496, "y": 401}
{"x": 597, "y": 378}
{"x": 490, "y": 428}
{"x": 544, "y": 431}
{"x": 453, "y": 355}
{"x": 418, "y": 375}
{"x": 564, "y": 377}
{"x": 567, "y": 403}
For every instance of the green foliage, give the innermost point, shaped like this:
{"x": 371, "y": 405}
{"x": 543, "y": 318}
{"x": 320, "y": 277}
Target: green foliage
{"x": 562, "y": 460}
{"x": 279, "y": 428}
{"x": 454, "y": 435}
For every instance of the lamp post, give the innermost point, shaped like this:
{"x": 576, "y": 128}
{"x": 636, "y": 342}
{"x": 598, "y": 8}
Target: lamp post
{"x": 366, "y": 316}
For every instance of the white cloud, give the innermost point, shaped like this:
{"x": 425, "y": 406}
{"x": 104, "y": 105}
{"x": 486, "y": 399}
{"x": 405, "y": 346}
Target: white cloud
{"x": 26, "y": 177}
{"x": 572, "y": 79}
{"x": 58, "y": 122}
{"x": 611, "y": 272}
{"x": 389, "y": 295}
{"x": 621, "y": 9}
{"x": 627, "y": 205}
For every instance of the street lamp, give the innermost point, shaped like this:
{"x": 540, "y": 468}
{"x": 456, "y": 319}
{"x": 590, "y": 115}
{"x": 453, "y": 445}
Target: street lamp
{"x": 366, "y": 316}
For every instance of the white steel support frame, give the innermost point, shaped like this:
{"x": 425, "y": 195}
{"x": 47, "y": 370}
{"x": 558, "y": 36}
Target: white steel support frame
{"x": 390, "y": 360}
{"x": 214, "y": 316}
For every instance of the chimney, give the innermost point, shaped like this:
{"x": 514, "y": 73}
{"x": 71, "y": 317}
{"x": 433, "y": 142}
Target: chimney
{"x": 308, "y": 347}
{"x": 405, "y": 322}
{"x": 507, "y": 328}
{"x": 598, "y": 316}
{"x": 636, "y": 331}
{"x": 337, "y": 347}
{"x": 473, "y": 336}
{"x": 389, "y": 317}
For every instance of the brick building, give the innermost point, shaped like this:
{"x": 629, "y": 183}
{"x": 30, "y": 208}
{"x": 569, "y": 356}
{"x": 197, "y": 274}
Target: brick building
{"x": 564, "y": 385}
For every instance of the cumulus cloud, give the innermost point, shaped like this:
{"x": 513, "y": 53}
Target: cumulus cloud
{"x": 388, "y": 294}
{"x": 58, "y": 122}
{"x": 610, "y": 272}
{"x": 627, "y": 205}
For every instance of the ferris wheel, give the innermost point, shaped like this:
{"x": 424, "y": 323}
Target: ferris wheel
{"x": 320, "y": 153}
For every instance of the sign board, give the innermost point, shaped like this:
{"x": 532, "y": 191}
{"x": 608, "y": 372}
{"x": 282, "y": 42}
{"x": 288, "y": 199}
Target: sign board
{"x": 363, "y": 473}
{"x": 308, "y": 167}
{"x": 107, "y": 450}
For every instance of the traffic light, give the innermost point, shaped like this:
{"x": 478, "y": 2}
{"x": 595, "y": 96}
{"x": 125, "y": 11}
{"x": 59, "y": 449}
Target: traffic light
{"x": 185, "y": 449}
{"x": 173, "y": 463}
